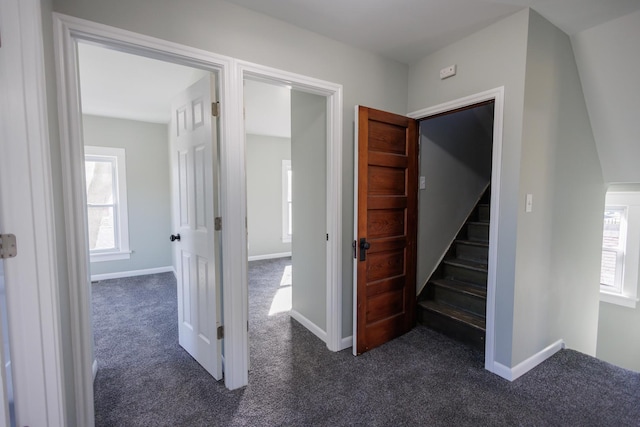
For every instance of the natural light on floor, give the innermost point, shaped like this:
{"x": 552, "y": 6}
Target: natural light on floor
{"x": 282, "y": 300}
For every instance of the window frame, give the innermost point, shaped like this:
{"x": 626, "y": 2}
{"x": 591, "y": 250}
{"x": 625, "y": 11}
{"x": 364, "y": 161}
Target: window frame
{"x": 627, "y": 265}
{"x": 287, "y": 200}
{"x": 117, "y": 157}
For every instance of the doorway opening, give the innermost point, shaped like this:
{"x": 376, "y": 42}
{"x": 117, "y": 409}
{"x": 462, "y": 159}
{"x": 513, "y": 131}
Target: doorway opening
{"x": 286, "y": 150}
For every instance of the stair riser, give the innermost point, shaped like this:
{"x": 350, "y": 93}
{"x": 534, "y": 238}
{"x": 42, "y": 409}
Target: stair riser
{"x": 470, "y": 303}
{"x": 478, "y": 232}
{"x": 452, "y": 328}
{"x": 472, "y": 253}
{"x": 483, "y": 213}
{"x": 465, "y": 275}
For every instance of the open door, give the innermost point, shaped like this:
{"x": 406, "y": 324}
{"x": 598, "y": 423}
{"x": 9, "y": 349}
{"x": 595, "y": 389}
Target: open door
{"x": 385, "y": 227}
{"x": 195, "y": 203}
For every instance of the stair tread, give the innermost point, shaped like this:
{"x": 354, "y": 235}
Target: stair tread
{"x": 480, "y": 243}
{"x": 463, "y": 287}
{"x": 454, "y": 313}
{"x": 464, "y": 263}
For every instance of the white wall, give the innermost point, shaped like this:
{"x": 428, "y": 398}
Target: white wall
{"x": 559, "y": 242}
{"x": 227, "y": 29}
{"x": 148, "y": 188}
{"x": 608, "y": 61}
{"x": 309, "y": 171}
{"x": 490, "y": 58}
{"x": 455, "y": 159}
{"x": 264, "y": 193}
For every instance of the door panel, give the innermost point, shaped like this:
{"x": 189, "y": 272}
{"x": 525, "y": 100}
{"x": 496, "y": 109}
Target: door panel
{"x": 195, "y": 195}
{"x": 386, "y": 221}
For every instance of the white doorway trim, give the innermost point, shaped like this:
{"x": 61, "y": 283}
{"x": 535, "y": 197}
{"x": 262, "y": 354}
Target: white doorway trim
{"x": 333, "y": 93}
{"x": 497, "y": 95}
{"x": 27, "y": 210}
{"x": 68, "y": 31}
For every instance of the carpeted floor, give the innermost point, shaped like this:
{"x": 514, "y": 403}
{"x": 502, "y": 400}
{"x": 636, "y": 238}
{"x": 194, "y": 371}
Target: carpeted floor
{"x": 422, "y": 378}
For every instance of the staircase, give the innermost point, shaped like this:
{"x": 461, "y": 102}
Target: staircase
{"x": 454, "y": 300}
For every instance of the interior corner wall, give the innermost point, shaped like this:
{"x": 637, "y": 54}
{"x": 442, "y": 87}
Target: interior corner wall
{"x": 608, "y": 62}
{"x": 59, "y": 217}
{"x": 227, "y": 29}
{"x": 491, "y": 58}
{"x": 264, "y": 193}
{"x": 309, "y": 203}
{"x": 455, "y": 160}
{"x": 148, "y": 189}
{"x": 559, "y": 242}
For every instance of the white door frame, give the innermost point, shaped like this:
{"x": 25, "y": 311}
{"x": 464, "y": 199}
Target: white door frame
{"x": 333, "y": 92}
{"x": 26, "y": 210}
{"x": 497, "y": 95}
{"x": 68, "y": 30}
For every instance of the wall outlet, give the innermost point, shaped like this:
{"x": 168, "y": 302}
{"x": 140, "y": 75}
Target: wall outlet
{"x": 447, "y": 72}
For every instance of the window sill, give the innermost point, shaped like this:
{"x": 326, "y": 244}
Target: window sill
{"x": 110, "y": 256}
{"x": 618, "y": 299}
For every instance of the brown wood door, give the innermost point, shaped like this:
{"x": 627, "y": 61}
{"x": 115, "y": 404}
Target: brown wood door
{"x": 386, "y": 227}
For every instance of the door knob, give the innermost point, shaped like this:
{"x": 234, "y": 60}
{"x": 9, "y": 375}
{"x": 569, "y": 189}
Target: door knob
{"x": 364, "y": 245}
{"x": 175, "y": 237}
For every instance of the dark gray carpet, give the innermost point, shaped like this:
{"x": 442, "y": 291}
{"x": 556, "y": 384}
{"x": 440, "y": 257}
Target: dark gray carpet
{"x": 422, "y": 378}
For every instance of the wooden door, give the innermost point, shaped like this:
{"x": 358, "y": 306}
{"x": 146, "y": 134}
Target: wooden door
{"x": 195, "y": 196}
{"x": 386, "y": 217}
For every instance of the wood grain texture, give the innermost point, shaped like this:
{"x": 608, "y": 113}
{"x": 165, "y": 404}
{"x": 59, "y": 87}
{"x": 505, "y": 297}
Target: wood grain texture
{"x": 387, "y": 219}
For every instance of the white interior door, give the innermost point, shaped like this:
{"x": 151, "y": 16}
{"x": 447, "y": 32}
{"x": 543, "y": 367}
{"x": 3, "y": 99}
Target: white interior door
{"x": 195, "y": 201}
{"x": 6, "y": 395}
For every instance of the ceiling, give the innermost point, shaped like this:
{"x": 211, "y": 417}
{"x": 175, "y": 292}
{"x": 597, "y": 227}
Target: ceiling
{"x": 408, "y": 30}
{"x": 116, "y": 84}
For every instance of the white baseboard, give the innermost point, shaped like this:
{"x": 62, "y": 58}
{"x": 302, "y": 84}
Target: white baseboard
{"x": 269, "y": 256}
{"x": 94, "y": 368}
{"x": 346, "y": 342}
{"x": 309, "y": 325}
{"x": 526, "y": 365}
{"x": 132, "y": 273}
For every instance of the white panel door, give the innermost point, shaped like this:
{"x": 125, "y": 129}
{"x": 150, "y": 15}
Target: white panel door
{"x": 195, "y": 202}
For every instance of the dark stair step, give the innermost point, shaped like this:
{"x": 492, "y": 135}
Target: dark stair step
{"x": 465, "y": 296}
{"x": 478, "y": 231}
{"x": 484, "y": 213}
{"x": 472, "y": 250}
{"x": 465, "y": 271}
{"x": 457, "y": 324}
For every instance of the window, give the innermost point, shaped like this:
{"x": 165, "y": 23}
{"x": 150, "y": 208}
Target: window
{"x": 107, "y": 203}
{"x": 287, "y": 227}
{"x": 620, "y": 249}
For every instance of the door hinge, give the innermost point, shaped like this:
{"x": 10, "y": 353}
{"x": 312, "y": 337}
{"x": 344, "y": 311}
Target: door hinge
{"x": 355, "y": 248}
{"x": 220, "y": 332}
{"x": 217, "y": 223}
{"x": 8, "y": 247}
{"x": 215, "y": 109}
{"x": 327, "y": 237}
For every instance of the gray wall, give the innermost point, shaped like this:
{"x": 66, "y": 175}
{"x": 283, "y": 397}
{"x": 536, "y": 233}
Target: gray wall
{"x": 492, "y": 57}
{"x": 309, "y": 244}
{"x": 455, "y": 159}
{"x": 227, "y": 29}
{"x": 608, "y": 60}
{"x": 559, "y": 243}
{"x": 613, "y": 101}
{"x": 148, "y": 189}
{"x": 264, "y": 193}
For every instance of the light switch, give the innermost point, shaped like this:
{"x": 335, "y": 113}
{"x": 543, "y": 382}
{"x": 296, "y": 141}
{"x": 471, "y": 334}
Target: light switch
{"x": 528, "y": 206}
{"x": 423, "y": 183}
